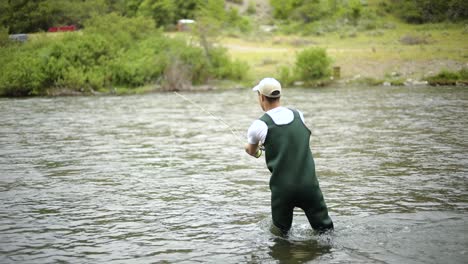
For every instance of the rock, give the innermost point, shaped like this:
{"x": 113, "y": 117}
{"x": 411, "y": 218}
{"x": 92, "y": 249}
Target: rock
{"x": 411, "y": 82}
{"x": 387, "y": 84}
{"x": 420, "y": 83}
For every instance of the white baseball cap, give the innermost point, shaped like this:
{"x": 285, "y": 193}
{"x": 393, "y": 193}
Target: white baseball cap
{"x": 269, "y": 87}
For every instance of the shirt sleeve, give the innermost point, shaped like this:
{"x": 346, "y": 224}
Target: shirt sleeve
{"x": 257, "y": 132}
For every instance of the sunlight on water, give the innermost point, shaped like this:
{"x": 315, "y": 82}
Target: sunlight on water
{"x": 144, "y": 179}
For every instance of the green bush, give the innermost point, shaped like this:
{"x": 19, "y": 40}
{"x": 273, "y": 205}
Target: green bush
{"x": 4, "y": 38}
{"x": 20, "y": 75}
{"x": 423, "y": 11}
{"x": 446, "y": 77}
{"x": 285, "y": 75}
{"x": 251, "y": 8}
{"x": 35, "y": 16}
{"x": 224, "y": 68}
{"x": 77, "y": 62}
{"x": 312, "y": 64}
{"x": 140, "y": 64}
{"x": 236, "y": 21}
{"x": 123, "y": 30}
{"x": 112, "y": 51}
{"x": 463, "y": 74}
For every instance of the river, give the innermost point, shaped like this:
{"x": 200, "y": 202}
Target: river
{"x": 154, "y": 179}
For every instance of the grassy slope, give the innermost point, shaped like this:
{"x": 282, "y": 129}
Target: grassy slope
{"x": 368, "y": 54}
{"x": 373, "y": 54}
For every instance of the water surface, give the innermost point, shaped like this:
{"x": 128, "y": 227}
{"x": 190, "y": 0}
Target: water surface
{"x": 153, "y": 178}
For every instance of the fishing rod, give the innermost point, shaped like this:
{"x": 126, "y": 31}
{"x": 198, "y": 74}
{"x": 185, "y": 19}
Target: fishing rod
{"x": 234, "y": 132}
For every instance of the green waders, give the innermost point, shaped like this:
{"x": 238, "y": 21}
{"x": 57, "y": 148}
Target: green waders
{"x": 293, "y": 182}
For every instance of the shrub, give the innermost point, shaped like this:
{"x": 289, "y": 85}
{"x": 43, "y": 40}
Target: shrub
{"x": 128, "y": 54}
{"x": 77, "y": 62}
{"x": 4, "y": 38}
{"x": 21, "y": 75}
{"x": 312, "y": 64}
{"x": 423, "y": 11}
{"x": 285, "y": 75}
{"x": 446, "y": 77}
{"x": 122, "y": 30}
{"x": 141, "y": 64}
{"x": 224, "y": 68}
{"x": 251, "y": 8}
{"x": 463, "y": 73}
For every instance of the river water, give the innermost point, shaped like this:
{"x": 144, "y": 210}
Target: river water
{"x": 153, "y": 178}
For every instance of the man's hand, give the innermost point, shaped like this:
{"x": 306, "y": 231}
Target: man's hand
{"x": 252, "y": 150}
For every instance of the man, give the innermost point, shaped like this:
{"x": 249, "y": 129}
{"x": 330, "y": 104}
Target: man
{"x": 285, "y": 138}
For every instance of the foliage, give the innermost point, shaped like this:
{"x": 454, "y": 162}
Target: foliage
{"x": 283, "y": 9}
{"x": 240, "y": 2}
{"x": 162, "y": 11}
{"x": 251, "y": 8}
{"x": 111, "y": 51}
{"x": 463, "y": 73}
{"x": 446, "y": 74}
{"x": 23, "y": 16}
{"x": 123, "y": 30}
{"x": 446, "y": 77}
{"x": 4, "y": 39}
{"x": 19, "y": 73}
{"x": 321, "y": 16}
{"x": 285, "y": 75}
{"x": 423, "y": 11}
{"x": 312, "y": 64}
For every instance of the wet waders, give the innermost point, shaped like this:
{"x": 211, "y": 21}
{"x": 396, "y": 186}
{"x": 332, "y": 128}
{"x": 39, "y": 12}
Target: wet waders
{"x": 293, "y": 182}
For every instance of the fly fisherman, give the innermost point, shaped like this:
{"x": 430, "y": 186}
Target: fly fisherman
{"x": 285, "y": 137}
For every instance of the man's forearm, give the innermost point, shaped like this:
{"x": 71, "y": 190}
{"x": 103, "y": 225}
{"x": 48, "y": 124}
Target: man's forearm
{"x": 251, "y": 149}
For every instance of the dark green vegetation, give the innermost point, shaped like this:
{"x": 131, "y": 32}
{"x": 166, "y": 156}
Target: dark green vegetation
{"x": 119, "y": 46}
{"x": 123, "y": 45}
{"x": 312, "y": 66}
{"x": 112, "y": 51}
{"x": 321, "y": 16}
{"x": 424, "y": 11}
{"x": 24, "y": 16}
{"x": 446, "y": 77}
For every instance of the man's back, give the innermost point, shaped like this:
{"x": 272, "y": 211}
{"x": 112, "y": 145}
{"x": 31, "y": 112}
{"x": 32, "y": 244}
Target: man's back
{"x": 287, "y": 153}
{"x": 286, "y": 140}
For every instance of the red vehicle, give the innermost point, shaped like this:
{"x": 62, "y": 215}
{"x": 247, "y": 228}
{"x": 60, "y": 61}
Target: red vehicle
{"x": 62, "y": 28}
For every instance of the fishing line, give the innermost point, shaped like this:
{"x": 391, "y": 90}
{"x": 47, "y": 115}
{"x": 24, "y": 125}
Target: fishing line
{"x": 234, "y": 132}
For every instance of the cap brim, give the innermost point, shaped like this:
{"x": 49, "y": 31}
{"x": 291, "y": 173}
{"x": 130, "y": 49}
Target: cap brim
{"x": 256, "y": 89}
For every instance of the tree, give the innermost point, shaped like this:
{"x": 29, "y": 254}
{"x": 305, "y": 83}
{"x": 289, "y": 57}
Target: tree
{"x": 423, "y": 11}
{"x": 23, "y": 16}
{"x": 162, "y": 11}
{"x": 282, "y": 9}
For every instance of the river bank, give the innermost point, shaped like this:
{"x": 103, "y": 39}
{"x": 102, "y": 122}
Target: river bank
{"x": 398, "y": 55}
{"x": 401, "y": 54}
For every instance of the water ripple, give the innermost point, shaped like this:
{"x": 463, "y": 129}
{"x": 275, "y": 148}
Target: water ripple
{"x": 152, "y": 179}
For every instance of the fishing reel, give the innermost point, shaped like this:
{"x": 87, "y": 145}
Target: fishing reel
{"x": 259, "y": 152}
